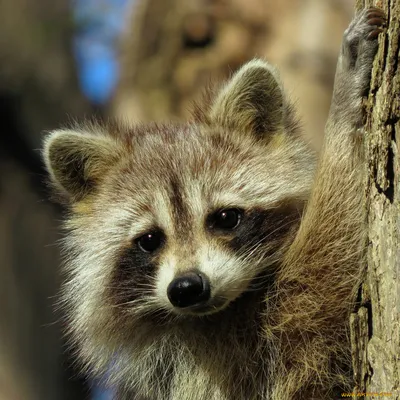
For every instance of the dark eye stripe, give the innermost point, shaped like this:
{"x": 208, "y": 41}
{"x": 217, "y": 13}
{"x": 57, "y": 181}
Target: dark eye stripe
{"x": 268, "y": 228}
{"x": 131, "y": 276}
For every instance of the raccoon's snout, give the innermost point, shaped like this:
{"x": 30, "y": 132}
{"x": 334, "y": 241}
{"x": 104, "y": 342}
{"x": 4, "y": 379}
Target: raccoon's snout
{"x": 188, "y": 290}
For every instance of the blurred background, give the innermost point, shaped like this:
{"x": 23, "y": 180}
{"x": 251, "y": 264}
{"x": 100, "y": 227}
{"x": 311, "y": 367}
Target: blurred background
{"x": 138, "y": 59}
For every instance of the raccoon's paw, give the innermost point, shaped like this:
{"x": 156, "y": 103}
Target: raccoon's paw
{"x": 360, "y": 43}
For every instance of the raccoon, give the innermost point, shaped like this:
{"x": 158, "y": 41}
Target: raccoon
{"x": 219, "y": 259}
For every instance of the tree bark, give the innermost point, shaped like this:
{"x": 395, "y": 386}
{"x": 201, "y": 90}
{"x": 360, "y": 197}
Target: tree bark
{"x": 375, "y": 326}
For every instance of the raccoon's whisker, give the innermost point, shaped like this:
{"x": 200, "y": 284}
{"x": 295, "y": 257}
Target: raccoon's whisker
{"x": 266, "y": 237}
{"x": 248, "y": 254}
{"x": 144, "y": 299}
{"x": 270, "y": 260}
{"x": 134, "y": 286}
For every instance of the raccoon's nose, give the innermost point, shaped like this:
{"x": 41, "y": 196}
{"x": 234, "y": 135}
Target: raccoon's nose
{"x": 188, "y": 290}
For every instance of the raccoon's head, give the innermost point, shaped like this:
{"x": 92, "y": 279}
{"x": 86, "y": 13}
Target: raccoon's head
{"x": 180, "y": 220}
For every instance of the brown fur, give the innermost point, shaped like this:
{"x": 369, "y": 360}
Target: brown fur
{"x": 282, "y": 282}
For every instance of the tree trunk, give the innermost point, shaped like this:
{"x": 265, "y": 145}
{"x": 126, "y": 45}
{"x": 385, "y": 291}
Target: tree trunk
{"x": 375, "y": 326}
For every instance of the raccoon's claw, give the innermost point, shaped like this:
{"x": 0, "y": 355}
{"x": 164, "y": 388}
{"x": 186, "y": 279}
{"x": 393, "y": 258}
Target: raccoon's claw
{"x": 360, "y": 45}
{"x": 374, "y": 12}
{"x": 375, "y": 18}
{"x": 374, "y": 34}
{"x": 375, "y": 21}
{"x": 366, "y": 26}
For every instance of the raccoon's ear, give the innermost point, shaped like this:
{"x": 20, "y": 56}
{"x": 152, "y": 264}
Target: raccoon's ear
{"x": 76, "y": 161}
{"x": 252, "y": 101}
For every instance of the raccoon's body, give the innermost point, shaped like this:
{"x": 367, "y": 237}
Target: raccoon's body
{"x": 218, "y": 259}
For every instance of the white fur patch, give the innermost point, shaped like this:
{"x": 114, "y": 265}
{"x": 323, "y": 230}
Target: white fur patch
{"x": 165, "y": 275}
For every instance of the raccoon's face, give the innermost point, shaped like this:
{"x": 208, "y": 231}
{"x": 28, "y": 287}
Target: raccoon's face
{"x": 181, "y": 219}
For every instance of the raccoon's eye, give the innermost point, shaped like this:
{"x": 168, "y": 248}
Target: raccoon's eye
{"x": 228, "y": 218}
{"x": 150, "y": 241}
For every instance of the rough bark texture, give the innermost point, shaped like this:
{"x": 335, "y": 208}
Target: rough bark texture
{"x": 375, "y": 326}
